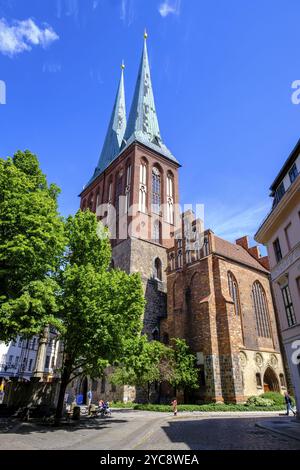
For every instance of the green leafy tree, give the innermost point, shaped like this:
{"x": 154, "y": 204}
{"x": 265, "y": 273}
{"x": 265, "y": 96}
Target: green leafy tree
{"x": 185, "y": 374}
{"x": 143, "y": 363}
{"x": 31, "y": 243}
{"x": 99, "y": 309}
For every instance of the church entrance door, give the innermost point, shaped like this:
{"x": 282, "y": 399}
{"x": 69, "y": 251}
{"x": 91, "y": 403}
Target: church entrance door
{"x": 271, "y": 383}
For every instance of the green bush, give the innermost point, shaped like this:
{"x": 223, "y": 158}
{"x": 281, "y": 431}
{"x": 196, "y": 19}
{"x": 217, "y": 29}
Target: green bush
{"x": 260, "y": 401}
{"x": 277, "y": 398}
{"x": 209, "y": 407}
{"x": 120, "y": 404}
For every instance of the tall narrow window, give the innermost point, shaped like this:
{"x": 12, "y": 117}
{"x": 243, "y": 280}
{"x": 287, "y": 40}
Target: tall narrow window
{"x": 128, "y": 189}
{"x": 156, "y": 190}
{"x": 277, "y": 250}
{"x": 109, "y": 202}
{"x": 179, "y": 258}
{"x": 119, "y": 209}
{"x": 156, "y": 231}
{"x": 172, "y": 261}
{"x": 170, "y": 200}
{"x": 143, "y": 187}
{"x": 158, "y": 269}
{"x": 288, "y": 305}
{"x": 261, "y": 311}
{"x": 98, "y": 199}
{"x": 91, "y": 202}
{"x": 234, "y": 293}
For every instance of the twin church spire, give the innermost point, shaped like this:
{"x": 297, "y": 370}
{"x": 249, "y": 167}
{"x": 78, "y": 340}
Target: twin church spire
{"x": 142, "y": 125}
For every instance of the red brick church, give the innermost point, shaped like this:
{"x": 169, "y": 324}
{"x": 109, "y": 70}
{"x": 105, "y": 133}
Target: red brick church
{"x": 213, "y": 293}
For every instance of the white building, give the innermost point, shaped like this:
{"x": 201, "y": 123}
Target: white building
{"x": 18, "y": 358}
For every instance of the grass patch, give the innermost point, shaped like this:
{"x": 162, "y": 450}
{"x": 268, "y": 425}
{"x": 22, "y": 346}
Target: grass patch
{"x": 207, "y": 407}
{"x": 120, "y": 404}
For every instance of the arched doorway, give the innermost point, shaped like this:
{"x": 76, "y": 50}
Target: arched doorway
{"x": 271, "y": 383}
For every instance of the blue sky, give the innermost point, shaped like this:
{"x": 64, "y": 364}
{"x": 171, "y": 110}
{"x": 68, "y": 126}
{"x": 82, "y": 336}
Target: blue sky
{"x": 221, "y": 71}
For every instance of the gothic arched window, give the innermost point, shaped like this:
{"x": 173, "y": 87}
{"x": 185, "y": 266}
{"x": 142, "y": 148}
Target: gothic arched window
{"x": 143, "y": 186}
{"x": 156, "y": 190}
{"x": 261, "y": 310}
{"x": 91, "y": 202}
{"x": 234, "y": 293}
{"x": 158, "y": 269}
{"x": 128, "y": 188}
{"x": 170, "y": 199}
{"x": 156, "y": 231}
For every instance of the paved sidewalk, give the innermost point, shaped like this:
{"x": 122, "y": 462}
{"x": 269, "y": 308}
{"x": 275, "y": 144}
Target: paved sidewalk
{"x": 289, "y": 427}
{"x": 130, "y": 429}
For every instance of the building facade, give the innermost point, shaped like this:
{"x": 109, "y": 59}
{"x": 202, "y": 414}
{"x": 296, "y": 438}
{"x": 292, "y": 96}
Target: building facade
{"x": 19, "y": 359}
{"x": 219, "y": 299}
{"x": 280, "y": 232}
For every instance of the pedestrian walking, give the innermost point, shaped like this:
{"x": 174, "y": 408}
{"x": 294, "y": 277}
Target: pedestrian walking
{"x": 288, "y": 402}
{"x": 174, "y": 406}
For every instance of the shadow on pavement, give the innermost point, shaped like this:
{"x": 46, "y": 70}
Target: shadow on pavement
{"x": 223, "y": 434}
{"x": 37, "y": 427}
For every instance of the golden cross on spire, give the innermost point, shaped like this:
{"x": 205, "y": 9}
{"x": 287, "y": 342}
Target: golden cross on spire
{"x": 145, "y": 34}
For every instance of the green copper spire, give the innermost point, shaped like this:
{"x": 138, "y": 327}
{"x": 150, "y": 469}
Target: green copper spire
{"x": 115, "y": 131}
{"x": 143, "y": 123}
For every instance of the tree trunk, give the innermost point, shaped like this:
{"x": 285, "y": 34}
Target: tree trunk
{"x": 159, "y": 392}
{"x": 148, "y": 392}
{"x": 62, "y": 391}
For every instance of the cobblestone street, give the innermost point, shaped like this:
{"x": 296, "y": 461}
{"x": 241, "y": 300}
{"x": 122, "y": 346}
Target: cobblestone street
{"x": 153, "y": 431}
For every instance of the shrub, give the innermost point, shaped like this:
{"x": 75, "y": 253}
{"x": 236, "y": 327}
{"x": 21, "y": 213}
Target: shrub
{"x": 260, "y": 401}
{"x": 121, "y": 404}
{"x": 210, "y": 407}
{"x": 276, "y": 397}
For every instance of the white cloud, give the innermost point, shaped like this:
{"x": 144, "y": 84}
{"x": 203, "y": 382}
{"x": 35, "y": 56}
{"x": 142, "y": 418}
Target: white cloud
{"x": 232, "y": 225}
{"x": 127, "y": 12}
{"x": 169, "y": 7}
{"x": 68, "y": 8}
{"x": 20, "y": 36}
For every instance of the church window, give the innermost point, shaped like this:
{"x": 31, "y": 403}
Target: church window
{"x": 261, "y": 310}
{"x": 170, "y": 200}
{"x": 156, "y": 231}
{"x": 234, "y": 293}
{"x": 128, "y": 189}
{"x": 91, "y": 202}
{"x": 119, "y": 191}
{"x": 179, "y": 258}
{"x": 258, "y": 380}
{"x": 206, "y": 247}
{"x": 172, "y": 261}
{"x": 158, "y": 269}
{"x": 143, "y": 187}
{"x": 109, "y": 202}
{"x": 98, "y": 199}
{"x": 156, "y": 190}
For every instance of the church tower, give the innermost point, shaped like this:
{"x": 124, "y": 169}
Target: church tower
{"x": 134, "y": 191}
